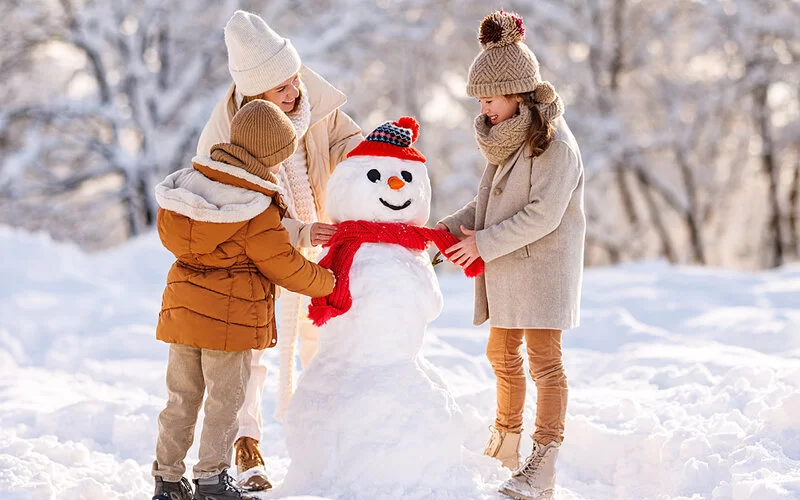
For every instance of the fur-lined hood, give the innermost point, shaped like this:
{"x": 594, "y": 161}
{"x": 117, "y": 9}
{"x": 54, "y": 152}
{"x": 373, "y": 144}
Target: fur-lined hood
{"x": 191, "y": 193}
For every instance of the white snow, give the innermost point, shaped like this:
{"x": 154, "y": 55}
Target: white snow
{"x": 684, "y": 381}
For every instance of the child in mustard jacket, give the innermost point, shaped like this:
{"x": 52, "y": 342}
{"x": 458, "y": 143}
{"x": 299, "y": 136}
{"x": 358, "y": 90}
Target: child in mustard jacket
{"x": 221, "y": 218}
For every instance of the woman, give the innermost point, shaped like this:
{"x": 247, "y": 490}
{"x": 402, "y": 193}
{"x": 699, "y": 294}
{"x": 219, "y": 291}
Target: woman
{"x": 265, "y": 65}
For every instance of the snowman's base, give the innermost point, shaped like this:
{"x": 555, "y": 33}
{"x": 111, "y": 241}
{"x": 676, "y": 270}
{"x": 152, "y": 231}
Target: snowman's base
{"x": 371, "y": 427}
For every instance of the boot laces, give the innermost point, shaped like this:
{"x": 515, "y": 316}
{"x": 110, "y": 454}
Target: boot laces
{"x": 532, "y": 465}
{"x": 174, "y": 491}
{"x": 230, "y": 484}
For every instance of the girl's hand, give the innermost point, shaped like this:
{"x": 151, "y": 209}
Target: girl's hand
{"x": 439, "y": 225}
{"x": 321, "y": 233}
{"x": 465, "y": 252}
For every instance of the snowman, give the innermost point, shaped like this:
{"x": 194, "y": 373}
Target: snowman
{"x": 370, "y": 417}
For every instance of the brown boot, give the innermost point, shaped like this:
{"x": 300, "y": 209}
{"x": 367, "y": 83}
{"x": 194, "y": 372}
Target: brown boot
{"x": 252, "y": 475}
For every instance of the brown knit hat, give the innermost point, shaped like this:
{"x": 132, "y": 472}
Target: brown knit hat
{"x": 262, "y": 131}
{"x": 505, "y": 65}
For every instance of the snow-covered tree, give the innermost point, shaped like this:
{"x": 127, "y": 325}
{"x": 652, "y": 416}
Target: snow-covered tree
{"x": 119, "y": 93}
{"x": 687, "y": 112}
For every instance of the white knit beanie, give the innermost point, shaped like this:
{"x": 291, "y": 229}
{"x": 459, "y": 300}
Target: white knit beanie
{"x": 258, "y": 58}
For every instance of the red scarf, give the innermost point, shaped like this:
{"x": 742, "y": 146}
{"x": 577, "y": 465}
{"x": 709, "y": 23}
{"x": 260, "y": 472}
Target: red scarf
{"x": 348, "y": 239}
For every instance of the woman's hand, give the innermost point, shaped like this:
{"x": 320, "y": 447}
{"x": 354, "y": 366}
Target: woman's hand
{"x": 321, "y": 233}
{"x": 465, "y": 252}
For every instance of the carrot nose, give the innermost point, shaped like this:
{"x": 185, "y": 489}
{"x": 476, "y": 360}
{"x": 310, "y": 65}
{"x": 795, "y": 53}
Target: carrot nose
{"x": 396, "y": 182}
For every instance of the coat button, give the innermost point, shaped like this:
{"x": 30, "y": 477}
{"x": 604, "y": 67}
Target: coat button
{"x": 498, "y": 191}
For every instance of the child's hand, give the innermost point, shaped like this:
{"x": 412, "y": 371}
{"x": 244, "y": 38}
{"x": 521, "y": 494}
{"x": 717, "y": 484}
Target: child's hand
{"x": 439, "y": 225}
{"x": 465, "y": 252}
{"x": 321, "y": 233}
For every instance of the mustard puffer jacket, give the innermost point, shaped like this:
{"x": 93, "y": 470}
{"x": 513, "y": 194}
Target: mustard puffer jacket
{"x": 223, "y": 225}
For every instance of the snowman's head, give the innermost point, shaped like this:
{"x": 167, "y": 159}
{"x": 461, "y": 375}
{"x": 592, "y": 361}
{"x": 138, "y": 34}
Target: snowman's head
{"x": 384, "y": 179}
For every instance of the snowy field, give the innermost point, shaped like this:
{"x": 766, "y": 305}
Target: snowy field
{"x": 684, "y": 382}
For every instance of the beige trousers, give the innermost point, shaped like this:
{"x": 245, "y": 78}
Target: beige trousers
{"x": 190, "y": 372}
{"x": 504, "y": 351}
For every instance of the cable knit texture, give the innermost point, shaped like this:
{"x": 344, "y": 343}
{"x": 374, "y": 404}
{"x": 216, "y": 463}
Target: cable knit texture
{"x": 499, "y": 142}
{"x": 548, "y": 101}
{"x": 261, "y": 138}
{"x": 505, "y": 65}
{"x": 348, "y": 239}
{"x": 293, "y": 177}
{"x": 294, "y": 171}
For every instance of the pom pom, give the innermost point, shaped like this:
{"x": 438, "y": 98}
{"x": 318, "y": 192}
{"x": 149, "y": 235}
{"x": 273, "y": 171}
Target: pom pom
{"x": 500, "y": 28}
{"x": 410, "y": 123}
{"x": 544, "y": 93}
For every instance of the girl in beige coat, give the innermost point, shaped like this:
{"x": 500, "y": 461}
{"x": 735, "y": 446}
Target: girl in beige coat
{"x": 265, "y": 65}
{"x": 527, "y": 223}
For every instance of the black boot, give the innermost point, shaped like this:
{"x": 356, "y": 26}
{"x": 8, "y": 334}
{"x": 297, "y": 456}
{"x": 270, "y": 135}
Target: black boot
{"x": 166, "y": 490}
{"x": 219, "y": 487}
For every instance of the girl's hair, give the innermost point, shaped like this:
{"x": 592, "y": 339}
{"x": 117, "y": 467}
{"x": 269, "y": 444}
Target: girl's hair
{"x": 541, "y": 132}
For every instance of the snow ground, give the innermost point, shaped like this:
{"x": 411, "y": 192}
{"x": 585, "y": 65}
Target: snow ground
{"x": 685, "y": 382}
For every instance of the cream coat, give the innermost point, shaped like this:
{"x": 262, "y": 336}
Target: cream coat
{"x": 531, "y": 225}
{"x": 330, "y": 136}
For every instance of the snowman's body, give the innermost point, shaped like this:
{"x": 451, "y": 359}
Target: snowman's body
{"x": 369, "y": 410}
{"x": 395, "y": 294}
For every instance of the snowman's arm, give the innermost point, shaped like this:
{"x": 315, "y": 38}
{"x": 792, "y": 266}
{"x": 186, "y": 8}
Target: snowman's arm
{"x": 267, "y": 245}
{"x": 343, "y": 135}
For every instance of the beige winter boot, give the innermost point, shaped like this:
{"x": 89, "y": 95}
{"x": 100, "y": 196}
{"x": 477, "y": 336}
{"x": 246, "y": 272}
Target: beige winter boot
{"x": 536, "y": 479}
{"x": 504, "y": 446}
{"x": 251, "y": 474}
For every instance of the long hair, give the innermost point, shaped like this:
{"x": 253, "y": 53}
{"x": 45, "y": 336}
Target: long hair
{"x": 540, "y": 135}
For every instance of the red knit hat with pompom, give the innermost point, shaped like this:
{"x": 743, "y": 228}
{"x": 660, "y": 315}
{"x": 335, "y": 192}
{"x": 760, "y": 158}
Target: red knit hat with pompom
{"x": 391, "y": 139}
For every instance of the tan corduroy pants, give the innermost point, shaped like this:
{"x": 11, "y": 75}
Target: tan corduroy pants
{"x": 504, "y": 351}
{"x": 189, "y": 373}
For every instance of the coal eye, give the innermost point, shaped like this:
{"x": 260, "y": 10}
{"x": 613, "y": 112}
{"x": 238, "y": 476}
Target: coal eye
{"x": 373, "y": 175}
{"x": 406, "y": 176}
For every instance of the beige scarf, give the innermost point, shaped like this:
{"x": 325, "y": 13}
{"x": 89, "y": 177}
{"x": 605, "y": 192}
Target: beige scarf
{"x": 499, "y": 142}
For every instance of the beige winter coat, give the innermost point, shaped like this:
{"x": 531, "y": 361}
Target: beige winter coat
{"x": 331, "y": 135}
{"x": 531, "y": 227}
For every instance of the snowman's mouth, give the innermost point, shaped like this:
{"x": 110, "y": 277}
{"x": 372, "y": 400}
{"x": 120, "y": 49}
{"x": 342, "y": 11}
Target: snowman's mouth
{"x": 395, "y": 207}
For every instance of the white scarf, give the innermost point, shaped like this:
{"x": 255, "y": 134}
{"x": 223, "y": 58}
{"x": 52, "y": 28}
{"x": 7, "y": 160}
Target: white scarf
{"x": 293, "y": 174}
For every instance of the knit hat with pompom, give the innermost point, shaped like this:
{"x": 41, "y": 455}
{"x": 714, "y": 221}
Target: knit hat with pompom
{"x": 392, "y": 139}
{"x": 506, "y": 65}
